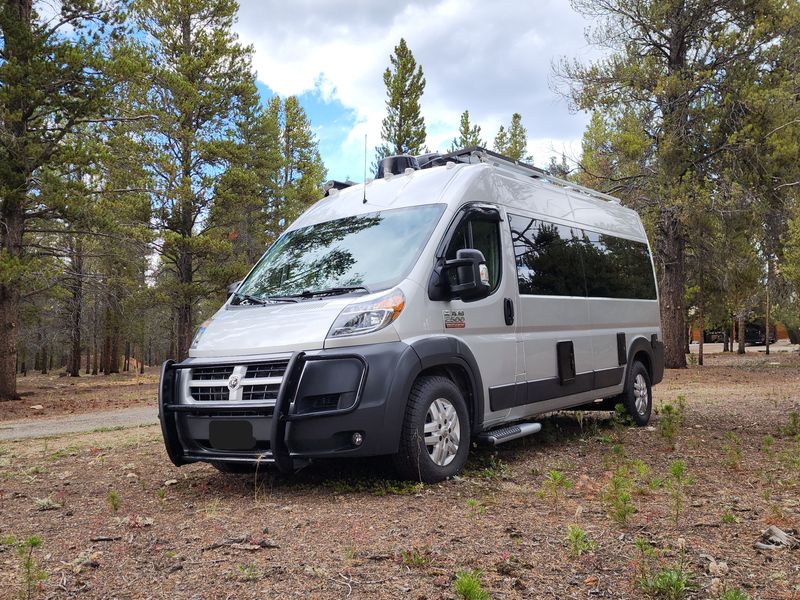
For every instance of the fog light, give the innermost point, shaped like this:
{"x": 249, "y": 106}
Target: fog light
{"x": 357, "y": 439}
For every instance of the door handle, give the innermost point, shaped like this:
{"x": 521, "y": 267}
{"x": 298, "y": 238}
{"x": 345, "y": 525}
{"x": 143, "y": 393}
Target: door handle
{"x": 508, "y": 310}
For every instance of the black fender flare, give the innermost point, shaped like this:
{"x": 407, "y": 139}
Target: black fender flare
{"x": 654, "y": 350}
{"x": 443, "y": 351}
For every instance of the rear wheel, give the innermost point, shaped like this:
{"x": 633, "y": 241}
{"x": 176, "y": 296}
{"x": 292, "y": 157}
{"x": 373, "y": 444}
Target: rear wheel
{"x": 638, "y": 395}
{"x": 435, "y": 438}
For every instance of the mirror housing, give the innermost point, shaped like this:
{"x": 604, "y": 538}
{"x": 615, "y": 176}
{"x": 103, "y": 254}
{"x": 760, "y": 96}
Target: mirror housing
{"x": 472, "y": 277}
{"x": 233, "y": 287}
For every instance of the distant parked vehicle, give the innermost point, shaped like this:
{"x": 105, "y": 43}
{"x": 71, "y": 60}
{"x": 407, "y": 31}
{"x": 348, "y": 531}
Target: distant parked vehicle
{"x": 754, "y": 334}
{"x": 713, "y": 337}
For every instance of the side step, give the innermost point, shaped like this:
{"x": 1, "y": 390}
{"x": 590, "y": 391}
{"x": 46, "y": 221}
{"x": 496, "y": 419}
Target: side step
{"x": 508, "y": 433}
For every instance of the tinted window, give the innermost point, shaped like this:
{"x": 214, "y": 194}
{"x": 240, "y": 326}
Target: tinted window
{"x": 548, "y": 257}
{"x": 478, "y": 235}
{"x": 617, "y": 268}
{"x": 374, "y": 250}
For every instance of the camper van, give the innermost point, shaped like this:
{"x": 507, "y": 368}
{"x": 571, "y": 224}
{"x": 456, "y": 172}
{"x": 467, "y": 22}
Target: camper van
{"x": 446, "y": 303}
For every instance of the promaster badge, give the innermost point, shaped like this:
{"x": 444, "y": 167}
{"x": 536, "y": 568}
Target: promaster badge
{"x": 454, "y": 319}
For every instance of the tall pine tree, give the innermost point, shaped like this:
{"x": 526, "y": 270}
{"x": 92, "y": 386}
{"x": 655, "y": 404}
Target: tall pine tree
{"x": 200, "y": 73}
{"x": 54, "y": 77}
{"x": 469, "y": 135}
{"x": 513, "y": 142}
{"x": 403, "y": 128}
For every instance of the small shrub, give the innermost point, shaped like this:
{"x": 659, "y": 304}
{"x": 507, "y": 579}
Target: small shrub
{"x": 555, "y": 483}
{"x": 620, "y": 416}
{"x": 668, "y": 424}
{"x": 486, "y": 468}
{"x": 161, "y": 493}
{"x": 677, "y": 484}
{"x": 113, "y": 500}
{"x": 46, "y": 503}
{"x": 249, "y": 572}
{"x": 767, "y": 445}
{"x": 349, "y": 552}
{"x": 32, "y": 574}
{"x": 728, "y": 517}
{"x": 670, "y": 583}
{"x": 468, "y": 586}
{"x": 732, "y": 451}
{"x": 475, "y": 506}
{"x": 618, "y": 496}
{"x": 792, "y": 428}
{"x": 578, "y": 541}
{"x": 415, "y": 557}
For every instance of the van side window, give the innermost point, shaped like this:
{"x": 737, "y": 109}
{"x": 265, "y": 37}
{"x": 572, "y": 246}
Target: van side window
{"x": 479, "y": 235}
{"x": 617, "y": 268}
{"x": 548, "y": 257}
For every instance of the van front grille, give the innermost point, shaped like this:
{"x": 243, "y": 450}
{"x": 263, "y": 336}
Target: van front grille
{"x": 258, "y": 382}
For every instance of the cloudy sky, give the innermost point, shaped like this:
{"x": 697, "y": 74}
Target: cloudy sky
{"x": 490, "y": 57}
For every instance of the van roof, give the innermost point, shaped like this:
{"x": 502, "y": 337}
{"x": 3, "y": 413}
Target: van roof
{"x": 457, "y": 183}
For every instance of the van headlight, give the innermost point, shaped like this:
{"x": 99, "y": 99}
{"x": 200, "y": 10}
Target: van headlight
{"x": 369, "y": 316}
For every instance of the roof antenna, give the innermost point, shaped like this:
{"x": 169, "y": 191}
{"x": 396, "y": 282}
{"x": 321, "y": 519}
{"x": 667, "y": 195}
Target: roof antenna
{"x": 365, "y": 168}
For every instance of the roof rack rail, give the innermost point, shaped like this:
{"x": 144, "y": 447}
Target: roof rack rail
{"x": 334, "y": 184}
{"x": 478, "y": 154}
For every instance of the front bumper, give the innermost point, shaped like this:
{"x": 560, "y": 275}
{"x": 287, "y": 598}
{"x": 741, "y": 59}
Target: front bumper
{"x": 324, "y": 398}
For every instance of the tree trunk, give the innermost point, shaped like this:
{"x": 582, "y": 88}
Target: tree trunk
{"x": 766, "y": 324}
{"x": 126, "y": 365}
{"x": 740, "y": 348}
{"x": 671, "y": 254}
{"x": 701, "y": 317}
{"x": 77, "y": 308}
{"x": 44, "y": 359}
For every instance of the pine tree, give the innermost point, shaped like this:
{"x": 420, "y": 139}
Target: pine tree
{"x": 513, "y": 142}
{"x": 403, "y": 128}
{"x": 468, "y": 135}
{"x": 501, "y": 141}
{"x": 199, "y": 73}
{"x": 54, "y": 76}
{"x": 657, "y": 73}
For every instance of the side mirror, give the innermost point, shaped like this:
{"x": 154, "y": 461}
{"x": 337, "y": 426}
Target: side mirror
{"x": 233, "y": 287}
{"x": 472, "y": 276}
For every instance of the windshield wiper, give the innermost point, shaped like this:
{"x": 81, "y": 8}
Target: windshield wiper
{"x": 334, "y": 291}
{"x": 267, "y": 300}
{"x": 249, "y": 298}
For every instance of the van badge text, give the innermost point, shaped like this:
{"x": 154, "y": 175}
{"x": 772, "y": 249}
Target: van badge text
{"x": 454, "y": 319}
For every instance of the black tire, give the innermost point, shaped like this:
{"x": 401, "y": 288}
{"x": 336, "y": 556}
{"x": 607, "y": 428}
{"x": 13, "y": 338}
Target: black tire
{"x": 629, "y": 396}
{"x": 413, "y": 461}
{"x": 235, "y": 468}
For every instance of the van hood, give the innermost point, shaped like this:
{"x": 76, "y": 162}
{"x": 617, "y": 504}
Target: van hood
{"x": 285, "y": 327}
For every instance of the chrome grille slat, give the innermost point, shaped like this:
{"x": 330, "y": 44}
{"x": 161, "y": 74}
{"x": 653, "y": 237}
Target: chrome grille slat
{"x": 258, "y": 382}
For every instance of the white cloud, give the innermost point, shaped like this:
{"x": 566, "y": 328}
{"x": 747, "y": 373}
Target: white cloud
{"x": 493, "y": 58}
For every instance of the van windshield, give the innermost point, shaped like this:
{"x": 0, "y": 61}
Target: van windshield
{"x": 373, "y": 251}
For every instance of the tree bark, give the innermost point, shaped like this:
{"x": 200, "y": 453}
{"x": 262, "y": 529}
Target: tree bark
{"x": 740, "y": 348}
{"x": 77, "y": 308}
{"x": 701, "y": 317}
{"x": 766, "y": 324}
{"x": 671, "y": 254}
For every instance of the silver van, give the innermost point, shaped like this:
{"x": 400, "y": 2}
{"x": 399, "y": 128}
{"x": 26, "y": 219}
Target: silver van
{"x": 447, "y": 302}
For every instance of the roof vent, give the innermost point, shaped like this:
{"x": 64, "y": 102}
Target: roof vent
{"x": 396, "y": 165}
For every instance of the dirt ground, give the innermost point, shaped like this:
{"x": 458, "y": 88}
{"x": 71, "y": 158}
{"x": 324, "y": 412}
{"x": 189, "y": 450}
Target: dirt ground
{"x": 117, "y": 520}
{"x": 54, "y": 395}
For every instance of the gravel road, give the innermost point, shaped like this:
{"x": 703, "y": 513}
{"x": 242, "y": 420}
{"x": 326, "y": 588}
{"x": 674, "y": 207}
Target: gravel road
{"x": 34, "y": 428}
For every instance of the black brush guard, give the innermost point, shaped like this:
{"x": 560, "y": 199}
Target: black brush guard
{"x": 169, "y": 408}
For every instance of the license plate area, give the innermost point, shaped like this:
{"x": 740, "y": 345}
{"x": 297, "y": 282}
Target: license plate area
{"x": 231, "y": 435}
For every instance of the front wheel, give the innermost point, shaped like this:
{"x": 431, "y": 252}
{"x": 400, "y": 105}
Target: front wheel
{"x": 435, "y": 438}
{"x": 638, "y": 395}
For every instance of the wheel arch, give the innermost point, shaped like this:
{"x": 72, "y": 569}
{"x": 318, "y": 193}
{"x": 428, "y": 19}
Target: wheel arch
{"x": 450, "y": 357}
